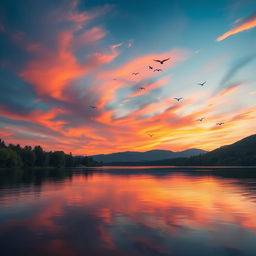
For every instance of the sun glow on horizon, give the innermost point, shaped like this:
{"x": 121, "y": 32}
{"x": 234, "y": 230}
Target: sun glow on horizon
{"x": 76, "y": 81}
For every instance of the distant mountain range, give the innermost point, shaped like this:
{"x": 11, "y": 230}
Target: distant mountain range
{"x": 240, "y": 153}
{"x": 152, "y": 155}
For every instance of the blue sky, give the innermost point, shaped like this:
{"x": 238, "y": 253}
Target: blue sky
{"x": 58, "y": 58}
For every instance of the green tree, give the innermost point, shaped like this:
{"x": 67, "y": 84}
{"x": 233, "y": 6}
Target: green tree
{"x": 9, "y": 158}
{"x": 4, "y": 157}
{"x": 15, "y": 155}
{"x": 28, "y": 156}
{"x": 57, "y": 159}
{"x": 2, "y": 144}
{"x": 69, "y": 160}
{"x": 42, "y": 157}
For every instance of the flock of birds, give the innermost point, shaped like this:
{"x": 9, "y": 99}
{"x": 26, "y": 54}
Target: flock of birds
{"x": 176, "y": 98}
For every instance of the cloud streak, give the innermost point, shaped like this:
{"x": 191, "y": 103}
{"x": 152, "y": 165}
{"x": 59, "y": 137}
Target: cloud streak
{"x": 250, "y": 23}
{"x": 225, "y": 82}
{"x": 60, "y": 65}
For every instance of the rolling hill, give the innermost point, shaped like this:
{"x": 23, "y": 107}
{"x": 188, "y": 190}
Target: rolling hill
{"x": 152, "y": 155}
{"x": 240, "y": 153}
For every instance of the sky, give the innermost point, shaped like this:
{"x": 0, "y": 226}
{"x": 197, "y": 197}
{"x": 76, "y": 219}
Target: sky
{"x": 67, "y": 82}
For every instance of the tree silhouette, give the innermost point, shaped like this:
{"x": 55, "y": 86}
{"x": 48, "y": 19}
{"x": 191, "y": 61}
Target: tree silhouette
{"x": 16, "y": 156}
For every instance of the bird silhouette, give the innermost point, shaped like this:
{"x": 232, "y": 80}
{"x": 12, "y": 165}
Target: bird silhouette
{"x": 92, "y": 107}
{"x": 219, "y": 123}
{"x": 135, "y": 73}
{"x": 200, "y": 119}
{"x": 161, "y": 61}
{"x": 158, "y": 70}
{"x": 150, "y": 67}
{"x": 202, "y": 84}
{"x": 142, "y": 88}
{"x": 150, "y": 135}
{"x": 178, "y": 99}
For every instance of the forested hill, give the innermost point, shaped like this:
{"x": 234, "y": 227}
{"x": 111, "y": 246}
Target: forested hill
{"x": 241, "y": 153}
{"x": 152, "y": 155}
{"x": 16, "y": 156}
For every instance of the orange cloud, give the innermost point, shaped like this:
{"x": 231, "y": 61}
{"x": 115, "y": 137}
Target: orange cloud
{"x": 248, "y": 24}
{"x": 77, "y": 71}
{"x": 173, "y": 124}
{"x": 5, "y": 133}
{"x": 51, "y": 69}
{"x": 230, "y": 89}
{"x": 51, "y": 73}
{"x": 88, "y": 37}
{"x": 122, "y": 76}
{"x": 148, "y": 87}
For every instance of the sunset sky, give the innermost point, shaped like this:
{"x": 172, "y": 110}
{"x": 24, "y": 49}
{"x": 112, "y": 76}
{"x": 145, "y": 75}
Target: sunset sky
{"x": 58, "y": 58}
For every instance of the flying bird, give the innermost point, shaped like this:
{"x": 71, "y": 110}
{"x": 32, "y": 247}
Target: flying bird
{"x": 202, "y": 84}
{"x": 135, "y": 73}
{"x": 219, "y": 124}
{"x": 200, "y": 119}
{"x": 178, "y": 99}
{"x": 161, "y": 61}
{"x": 92, "y": 107}
{"x": 150, "y": 135}
{"x": 158, "y": 70}
{"x": 142, "y": 88}
{"x": 150, "y": 67}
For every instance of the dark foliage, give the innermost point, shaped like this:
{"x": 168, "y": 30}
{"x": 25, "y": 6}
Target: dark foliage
{"x": 241, "y": 153}
{"x": 16, "y": 156}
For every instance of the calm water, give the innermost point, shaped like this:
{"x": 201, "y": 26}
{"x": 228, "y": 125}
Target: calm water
{"x": 147, "y": 211}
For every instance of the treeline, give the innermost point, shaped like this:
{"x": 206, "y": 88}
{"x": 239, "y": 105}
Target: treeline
{"x": 209, "y": 159}
{"x": 203, "y": 160}
{"x": 240, "y": 153}
{"x": 17, "y": 156}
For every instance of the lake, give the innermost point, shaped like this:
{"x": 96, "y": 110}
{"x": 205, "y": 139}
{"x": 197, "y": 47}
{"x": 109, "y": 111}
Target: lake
{"x": 128, "y": 211}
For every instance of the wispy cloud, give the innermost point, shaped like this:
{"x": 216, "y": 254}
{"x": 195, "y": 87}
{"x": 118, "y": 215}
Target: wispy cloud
{"x": 75, "y": 61}
{"x": 240, "y": 64}
{"x": 225, "y": 82}
{"x": 50, "y": 69}
{"x": 230, "y": 89}
{"x": 246, "y": 25}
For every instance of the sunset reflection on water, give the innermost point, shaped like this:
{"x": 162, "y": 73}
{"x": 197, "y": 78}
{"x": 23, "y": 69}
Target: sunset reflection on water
{"x": 123, "y": 212}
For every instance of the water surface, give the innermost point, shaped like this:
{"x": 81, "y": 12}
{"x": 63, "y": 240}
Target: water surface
{"x": 128, "y": 211}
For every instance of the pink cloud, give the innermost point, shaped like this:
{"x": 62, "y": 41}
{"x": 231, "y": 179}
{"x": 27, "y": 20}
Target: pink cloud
{"x": 70, "y": 83}
{"x": 246, "y": 25}
{"x": 51, "y": 70}
{"x": 88, "y": 37}
{"x": 231, "y": 89}
{"x": 148, "y": 87}
{"x": 123, "y": 75}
